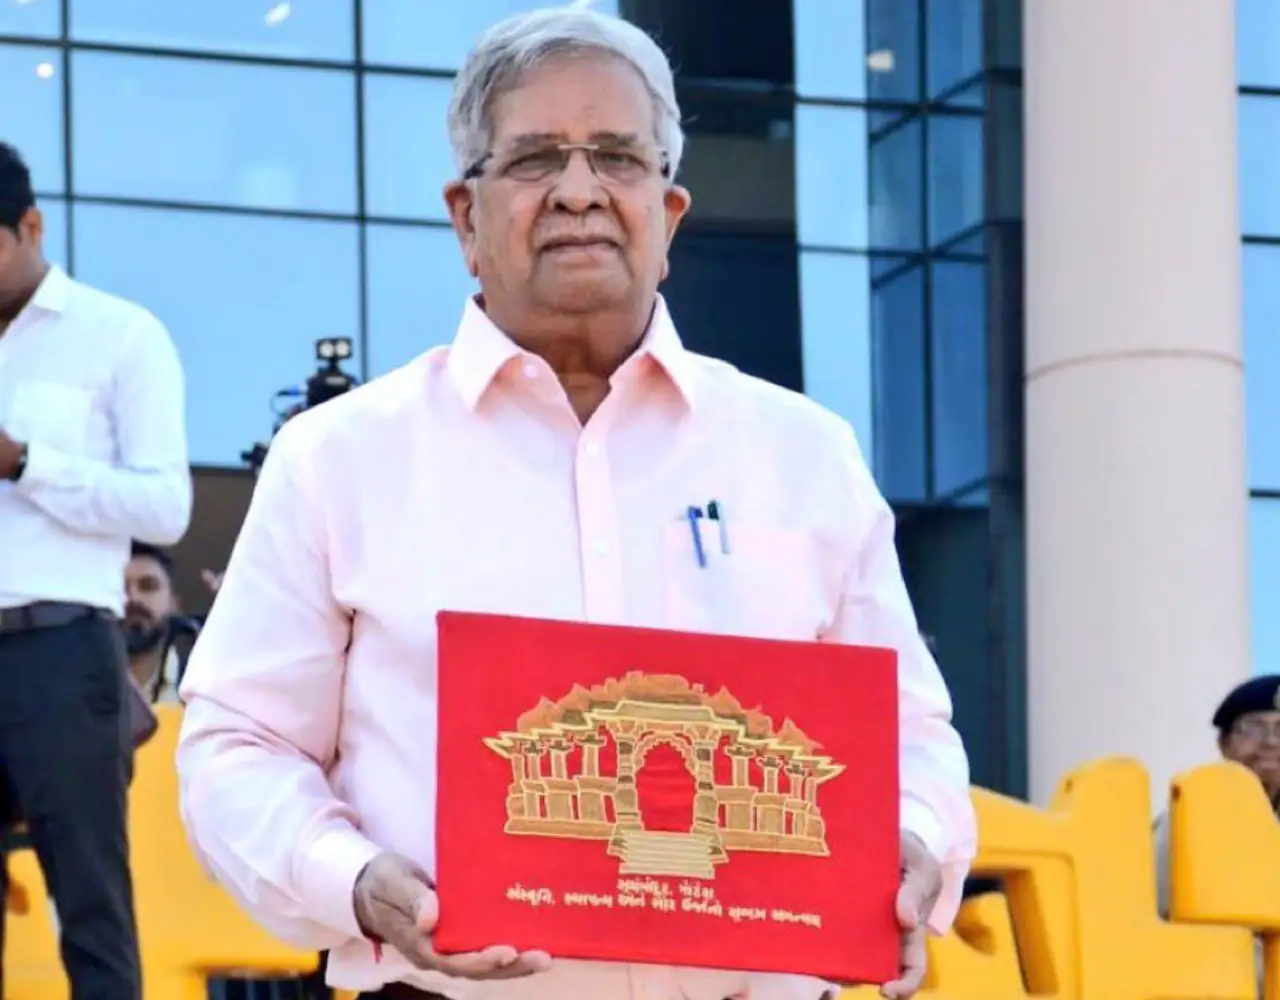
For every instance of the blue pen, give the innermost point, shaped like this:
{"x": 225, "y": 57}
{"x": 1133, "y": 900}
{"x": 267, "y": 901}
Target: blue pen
{"x": 715, "y": 512}
{"x": 694, "y": 514}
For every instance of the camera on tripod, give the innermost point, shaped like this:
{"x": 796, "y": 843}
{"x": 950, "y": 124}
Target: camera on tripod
{"x": 328, "y": 382}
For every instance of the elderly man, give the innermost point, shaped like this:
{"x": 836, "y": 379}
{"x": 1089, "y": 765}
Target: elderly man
{"x": 539, "y": 466}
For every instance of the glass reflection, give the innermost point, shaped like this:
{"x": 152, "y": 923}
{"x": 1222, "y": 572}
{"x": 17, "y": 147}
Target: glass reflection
{"x": 406, "y": 146}
{"x": 1258, "y": 42}
{"x": 31, "y": 111}
{"x": 955, "y": 42}
{"x": 854, "y": 192}
{"x": 214, "y": 132}
{"x": 956, "y": 197}
{"x": 898, "y": 371}
{"x": 857, "y": 49}
{"x": 958, "y": 366}
{"x": 54, "y": 211}
{"x": 31, "y": 18}
{"x": 1264, "y": 530}
{"x": 1259, "y": 165}
{"x": 301, "y": 277}
{"x": 417, "y": 287}
{"x": 1261, "y": 267}
{"x": 436, "y": 35}
{"x": 835, "y": 313}
{"x": 254, "y": 27}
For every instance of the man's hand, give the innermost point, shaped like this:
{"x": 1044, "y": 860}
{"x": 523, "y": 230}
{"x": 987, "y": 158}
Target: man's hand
{"x": 921, "y": 885}
{"x": 212, "y": 580}
{"x": 10, "y": 456}
{"x": 396, "y": 903}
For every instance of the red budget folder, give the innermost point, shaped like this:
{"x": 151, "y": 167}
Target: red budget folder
{"x": 640, "y": 795}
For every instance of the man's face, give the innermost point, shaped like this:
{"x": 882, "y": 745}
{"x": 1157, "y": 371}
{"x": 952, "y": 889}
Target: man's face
{"x": 20, "y": 256}
{"x": 149, "y": 602}
{"x": 1254, "y": 741}
{"x": 576, "y": 240}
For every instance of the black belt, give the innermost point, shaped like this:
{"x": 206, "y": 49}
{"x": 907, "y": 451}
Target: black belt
{"x": 43, "y": 614}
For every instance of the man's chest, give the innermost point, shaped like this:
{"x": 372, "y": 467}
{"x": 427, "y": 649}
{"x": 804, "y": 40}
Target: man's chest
{"x": 56, "y": 390}
{"x": 685, "y": 537}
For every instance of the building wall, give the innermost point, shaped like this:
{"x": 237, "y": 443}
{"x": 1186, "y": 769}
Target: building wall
{"x": 1258, "y": 66}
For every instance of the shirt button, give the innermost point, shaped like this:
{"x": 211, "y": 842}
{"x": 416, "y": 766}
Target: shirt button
{"x": 600, "y": 549}
{"x": 530, "y": 370}
{"x": 592, "y": 450}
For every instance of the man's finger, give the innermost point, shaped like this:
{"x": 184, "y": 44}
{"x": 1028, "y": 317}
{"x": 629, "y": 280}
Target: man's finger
{"x": 914, "y": 961}
{"x": 497, "y": 962}
{"x": 406, "y": 891}
{"x": 912, "y": 896}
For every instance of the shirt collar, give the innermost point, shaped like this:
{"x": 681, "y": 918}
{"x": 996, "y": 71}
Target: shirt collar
{"x": 52, "y": 292}
{"x": 480, "y": 351}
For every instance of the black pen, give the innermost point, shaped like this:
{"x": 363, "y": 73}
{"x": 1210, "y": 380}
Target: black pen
{"x": 715, "y": 512}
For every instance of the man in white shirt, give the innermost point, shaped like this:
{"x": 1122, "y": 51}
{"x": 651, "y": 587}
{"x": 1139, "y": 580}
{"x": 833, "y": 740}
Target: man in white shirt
{"x": 92, "y": 455}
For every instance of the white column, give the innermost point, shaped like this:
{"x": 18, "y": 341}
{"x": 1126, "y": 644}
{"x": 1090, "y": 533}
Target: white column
{"x": 1137, "y": 548}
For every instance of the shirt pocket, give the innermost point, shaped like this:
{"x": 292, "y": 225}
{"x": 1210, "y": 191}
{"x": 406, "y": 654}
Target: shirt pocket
{"x": 759, "y": 579}
{"x": 52, "y": 414}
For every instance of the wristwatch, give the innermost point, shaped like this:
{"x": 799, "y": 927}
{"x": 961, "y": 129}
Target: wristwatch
{"x": 21, "y": 467}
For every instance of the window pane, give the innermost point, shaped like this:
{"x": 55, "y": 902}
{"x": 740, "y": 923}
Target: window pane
{"x": 852, "y": 192}
{"x": 1261, "y": 266}
{"x": 1264, "y": 530}
{"x": 245, "y": 299}
{"x": 34, "y": 18}
{"x": 406, "y": 143}
{"x": 215, "y": 133}
{"x": 835, "y": 311}
{"x": 31, "y": 111}
{"x": 256, "y": 27}
{"x": 958, "y": 363}
{"x": 955, "y": 175}
{"x": 418, "y": 286}
{"x": 955, "y": 42}
{"x": 855, "y": 49}
{"x": 1257, "y": 42}
{"x": 1259, "y": 165}
{"x": 54, "y": 211}
{"x": 436, "y": 35}
{"x": 897, "y": 330}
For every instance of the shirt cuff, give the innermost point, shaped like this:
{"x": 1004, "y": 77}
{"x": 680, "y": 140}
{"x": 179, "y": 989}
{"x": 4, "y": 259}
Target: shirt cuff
{"x": 920, "y": 819}
{"x": 327, "y": 880}
{"x": 45, "y": 467}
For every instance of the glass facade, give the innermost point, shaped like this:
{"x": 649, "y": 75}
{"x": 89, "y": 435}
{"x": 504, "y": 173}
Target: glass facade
{"x": 1258, "y": 67}
{"x": 261, "y": 175}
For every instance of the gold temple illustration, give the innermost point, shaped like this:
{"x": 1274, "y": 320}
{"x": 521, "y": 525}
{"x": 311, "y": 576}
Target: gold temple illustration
{"x": 751, "y": 786}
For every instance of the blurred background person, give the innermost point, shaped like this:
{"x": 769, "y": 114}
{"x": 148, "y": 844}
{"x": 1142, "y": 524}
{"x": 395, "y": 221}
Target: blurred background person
{"x": 152, "y": 623}
{"x": 92, "y": 454}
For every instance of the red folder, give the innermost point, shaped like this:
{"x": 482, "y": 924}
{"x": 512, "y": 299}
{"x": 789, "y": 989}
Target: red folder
{"x": 639, "y": 795}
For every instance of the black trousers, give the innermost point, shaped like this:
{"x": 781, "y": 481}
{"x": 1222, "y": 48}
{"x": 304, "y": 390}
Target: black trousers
{"x": 65, "y": 763}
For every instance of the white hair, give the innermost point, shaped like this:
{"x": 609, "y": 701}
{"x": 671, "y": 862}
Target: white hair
{"x": 513, "y": 47}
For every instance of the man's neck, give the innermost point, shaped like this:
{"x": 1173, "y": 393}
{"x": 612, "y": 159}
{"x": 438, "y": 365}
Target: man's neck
{"x": 584, "y": 351}
{"x": 146, "y": 666}
{"x": 9, "y": 310}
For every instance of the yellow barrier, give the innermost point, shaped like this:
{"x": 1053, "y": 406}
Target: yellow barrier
{"x": 189, "y": 928}
{"x": 1077, "y": 918}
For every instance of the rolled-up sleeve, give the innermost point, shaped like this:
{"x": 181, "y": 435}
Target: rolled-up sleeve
{"x": 875, "y": 610}
{"x": 263, "y": 691}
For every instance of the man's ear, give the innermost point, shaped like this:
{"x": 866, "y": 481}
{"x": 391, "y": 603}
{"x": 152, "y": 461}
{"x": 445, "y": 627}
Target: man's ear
{"x": 459, "y": 198}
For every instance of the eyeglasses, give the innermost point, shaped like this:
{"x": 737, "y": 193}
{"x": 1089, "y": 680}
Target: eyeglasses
{"x": 1258, "y": 728}
{"x": 617, "y": 164}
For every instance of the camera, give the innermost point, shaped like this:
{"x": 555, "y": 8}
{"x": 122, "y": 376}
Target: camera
{"x": 327, "y": 382}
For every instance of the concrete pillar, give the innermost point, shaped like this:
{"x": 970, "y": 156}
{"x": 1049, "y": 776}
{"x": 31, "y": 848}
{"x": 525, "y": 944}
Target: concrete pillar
{"x": 1137, "y": 582}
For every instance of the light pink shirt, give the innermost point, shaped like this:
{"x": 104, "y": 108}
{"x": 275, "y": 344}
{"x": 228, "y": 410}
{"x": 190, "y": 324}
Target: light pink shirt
{"x": 464, "y": 481}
